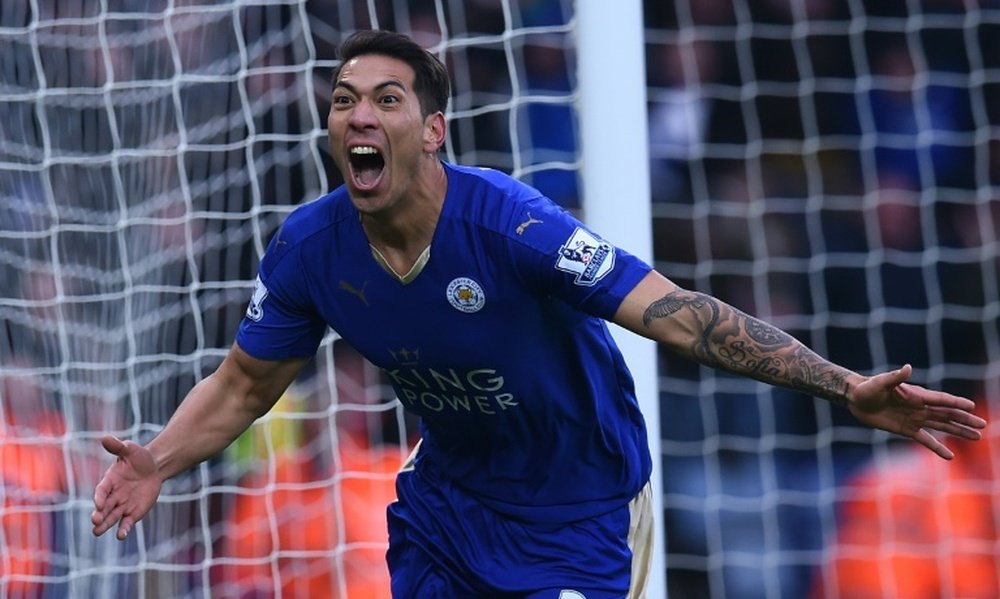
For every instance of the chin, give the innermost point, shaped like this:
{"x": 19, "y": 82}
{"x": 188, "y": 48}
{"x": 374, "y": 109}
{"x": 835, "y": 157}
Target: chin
{"x": 367, "y": 203}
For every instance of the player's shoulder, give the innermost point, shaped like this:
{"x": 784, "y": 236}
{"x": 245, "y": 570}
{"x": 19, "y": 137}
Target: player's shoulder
{"x": 306, "y": 224}
{"x": 490, "y": 182}
{"x": 493, "y": 199}
{"x": 315, "y": 216}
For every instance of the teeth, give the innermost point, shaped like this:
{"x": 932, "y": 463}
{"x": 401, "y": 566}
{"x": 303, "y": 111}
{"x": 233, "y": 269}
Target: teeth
{"x": 364, "y": 150}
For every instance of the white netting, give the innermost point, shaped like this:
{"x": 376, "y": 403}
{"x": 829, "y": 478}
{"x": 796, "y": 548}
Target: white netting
{"x": 148, "y": 150}
{"x": 831, "y": 167}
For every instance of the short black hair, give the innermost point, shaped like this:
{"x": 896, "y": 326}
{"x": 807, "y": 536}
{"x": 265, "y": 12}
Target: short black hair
{"x": 431, "y": 83}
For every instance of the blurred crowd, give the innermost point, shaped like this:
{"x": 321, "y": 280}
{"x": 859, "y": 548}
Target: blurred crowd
{"x": 829, "y": 166}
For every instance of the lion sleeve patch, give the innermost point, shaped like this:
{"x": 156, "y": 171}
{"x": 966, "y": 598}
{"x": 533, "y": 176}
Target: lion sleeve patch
{"x": 255, "y": 311}
{"x": 587, "y": 256}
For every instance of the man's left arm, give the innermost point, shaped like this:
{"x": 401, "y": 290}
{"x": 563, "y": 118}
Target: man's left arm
{"x": 712, "y": 332}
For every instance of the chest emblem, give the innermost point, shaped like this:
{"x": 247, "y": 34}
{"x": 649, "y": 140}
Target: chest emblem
{"x": 466, "y": 295}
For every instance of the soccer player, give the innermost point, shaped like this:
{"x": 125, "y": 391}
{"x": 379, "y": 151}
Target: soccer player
{"x": 485, "y": 304}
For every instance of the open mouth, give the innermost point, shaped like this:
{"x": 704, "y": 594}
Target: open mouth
{"x": 367, "y": 166}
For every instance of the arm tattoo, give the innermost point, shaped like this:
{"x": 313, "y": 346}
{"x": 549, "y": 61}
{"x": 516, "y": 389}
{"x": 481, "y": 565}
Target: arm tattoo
{"x": 727, "y": 338}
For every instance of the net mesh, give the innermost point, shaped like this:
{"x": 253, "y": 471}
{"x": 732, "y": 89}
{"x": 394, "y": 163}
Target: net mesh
{"x": 829, "y": 166}
{"x": 149, "y": 150}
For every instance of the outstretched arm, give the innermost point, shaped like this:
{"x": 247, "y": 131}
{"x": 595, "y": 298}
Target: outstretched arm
{"x": 714, "y": 333}
{"x": 213, "y": 414}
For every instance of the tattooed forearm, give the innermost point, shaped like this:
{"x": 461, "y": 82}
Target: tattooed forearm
{"x": 727, "y": 338}
{"x": 666, "y": 306}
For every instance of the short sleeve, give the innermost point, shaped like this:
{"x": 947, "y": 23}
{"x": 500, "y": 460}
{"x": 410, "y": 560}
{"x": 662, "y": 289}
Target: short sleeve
{"x": 559, "y": 255}
{"x": 280, "y": 322}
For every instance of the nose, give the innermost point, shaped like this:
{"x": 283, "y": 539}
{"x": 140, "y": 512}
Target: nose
{"x": 363, "y": 115}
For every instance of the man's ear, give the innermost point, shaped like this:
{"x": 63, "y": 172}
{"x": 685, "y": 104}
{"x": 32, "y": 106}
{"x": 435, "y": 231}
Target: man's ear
{"x": 435, "y": 129}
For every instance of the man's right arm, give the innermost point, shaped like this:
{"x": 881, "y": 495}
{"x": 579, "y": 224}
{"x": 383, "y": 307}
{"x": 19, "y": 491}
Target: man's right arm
{"x": 219, "y": 408}
{"x": 703, "y": 328}
{"x": 213, "y": 414}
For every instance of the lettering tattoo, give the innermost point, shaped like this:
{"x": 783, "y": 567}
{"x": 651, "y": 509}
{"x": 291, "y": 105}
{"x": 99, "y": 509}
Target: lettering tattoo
{"x": 725, "y": 337}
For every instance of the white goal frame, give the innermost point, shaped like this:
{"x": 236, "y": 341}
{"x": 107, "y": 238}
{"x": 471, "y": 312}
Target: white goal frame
{"x": 616, "y": 196}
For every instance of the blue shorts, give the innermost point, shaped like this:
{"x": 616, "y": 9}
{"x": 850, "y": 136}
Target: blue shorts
{"x": 445, "y": 544}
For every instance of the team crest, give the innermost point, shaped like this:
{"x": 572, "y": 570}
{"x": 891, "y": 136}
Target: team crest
{"x": 586, "y": 256}
{"x": 466, "y": 295}
{"x": 255, "y": 311}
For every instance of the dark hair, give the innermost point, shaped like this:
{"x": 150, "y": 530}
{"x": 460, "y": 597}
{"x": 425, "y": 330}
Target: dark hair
{"x": 430, "y": 82}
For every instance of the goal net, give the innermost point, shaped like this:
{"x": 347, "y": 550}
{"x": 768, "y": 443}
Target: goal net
{"x": 148, "y": 151}
{"x": 829, "y": 166}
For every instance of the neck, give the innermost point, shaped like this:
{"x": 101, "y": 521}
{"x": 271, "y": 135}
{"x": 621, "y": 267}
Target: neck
{"x": 408, "y": 227}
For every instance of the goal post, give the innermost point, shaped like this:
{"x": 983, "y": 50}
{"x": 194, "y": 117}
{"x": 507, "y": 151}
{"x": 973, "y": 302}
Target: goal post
{"x": 616, "y": 196}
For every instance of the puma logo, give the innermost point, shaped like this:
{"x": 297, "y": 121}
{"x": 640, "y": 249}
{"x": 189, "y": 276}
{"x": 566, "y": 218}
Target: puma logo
{"x": 521, "y": 227}
{"x": 354, "y": 291}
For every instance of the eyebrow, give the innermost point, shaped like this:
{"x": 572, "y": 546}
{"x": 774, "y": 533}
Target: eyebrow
{"x": 378, "y": 88}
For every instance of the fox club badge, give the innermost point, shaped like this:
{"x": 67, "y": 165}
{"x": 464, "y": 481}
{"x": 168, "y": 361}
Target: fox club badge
{"x": 466, "y": 295}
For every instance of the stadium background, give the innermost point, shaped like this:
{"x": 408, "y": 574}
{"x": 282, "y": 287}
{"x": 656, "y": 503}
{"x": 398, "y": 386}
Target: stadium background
{"x": 831, "y": 166}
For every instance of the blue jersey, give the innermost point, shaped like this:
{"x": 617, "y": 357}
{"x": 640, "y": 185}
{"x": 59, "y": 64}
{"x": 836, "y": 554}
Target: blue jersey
{"x": 499, "y": 343}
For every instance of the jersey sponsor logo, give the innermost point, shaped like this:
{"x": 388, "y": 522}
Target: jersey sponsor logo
{"x": 531, "y": 221}
{"x": 588, "y": 257}
{"x": 466, "y": 295}
{"x": 480, "y": 391}
{"x": 255, "y": 311}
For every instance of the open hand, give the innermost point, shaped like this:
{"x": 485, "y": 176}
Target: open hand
{"x": 128, "y": 489}
{"x": 887, "y": 402}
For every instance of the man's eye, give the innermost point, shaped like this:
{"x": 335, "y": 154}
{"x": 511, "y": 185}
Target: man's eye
{"x": 341, "y": 100}
{"x": 389, "y": 99}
